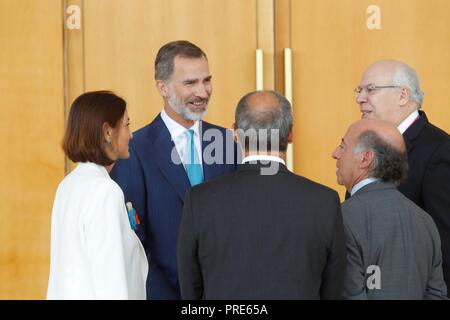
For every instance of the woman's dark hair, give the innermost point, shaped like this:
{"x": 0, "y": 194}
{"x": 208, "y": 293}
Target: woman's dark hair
{"x": 84, "y": 140}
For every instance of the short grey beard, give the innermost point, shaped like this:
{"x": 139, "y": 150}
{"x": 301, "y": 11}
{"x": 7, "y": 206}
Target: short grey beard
{"x": 183, "y": 110}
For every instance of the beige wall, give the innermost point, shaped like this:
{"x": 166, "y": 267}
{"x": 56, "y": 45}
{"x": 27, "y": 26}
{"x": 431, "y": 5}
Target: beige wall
{"x": 115, "y": 49}
{"x": 31, "y": 125}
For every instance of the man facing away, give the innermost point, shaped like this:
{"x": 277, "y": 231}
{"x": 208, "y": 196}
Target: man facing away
{"x": 393, "y": 246}
{"x": 389, "y": 90}
{"x": 169, "y": 155}
{"x": 261, "y": 232}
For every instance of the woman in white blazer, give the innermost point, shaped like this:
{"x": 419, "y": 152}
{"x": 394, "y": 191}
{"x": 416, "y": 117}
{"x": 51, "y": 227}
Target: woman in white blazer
{"x": 94, "y": 253}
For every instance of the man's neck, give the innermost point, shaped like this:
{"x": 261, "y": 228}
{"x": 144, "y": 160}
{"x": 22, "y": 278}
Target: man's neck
{"x": 176, "y": 117}
{"x": 360, "y": 177}
{"x": 405, "y": 113}
{"x": 361, "y": 184}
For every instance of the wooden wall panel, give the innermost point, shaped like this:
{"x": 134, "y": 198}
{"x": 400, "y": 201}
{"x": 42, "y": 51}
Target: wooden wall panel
{"x": 31, "y": 127}
{"x": 332, "y": 46}
{"x": 73, "y": 57}
{"x": 282, "y": 36}
{"x": 265, "y": 10}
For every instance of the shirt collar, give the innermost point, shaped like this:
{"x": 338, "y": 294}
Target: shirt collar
{"x": 408, "y": 121}
{"x": 361, "y": 184}
{"x": 177, "y": 129}
{"x": 263, "y": 157}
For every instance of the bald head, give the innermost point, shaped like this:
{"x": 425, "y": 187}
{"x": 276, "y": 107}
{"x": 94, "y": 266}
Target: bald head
{"x": 385, "y": 131}
{"x": 381, "y": 142}
{"x": 383, "y": 69}
{"x": 386, "y": 66}
{"x": 267, "y": 115}
{"x": 262, "y": 101}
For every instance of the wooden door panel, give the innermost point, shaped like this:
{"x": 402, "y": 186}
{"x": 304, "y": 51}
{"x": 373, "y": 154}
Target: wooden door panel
{"x": 31, "y": 128}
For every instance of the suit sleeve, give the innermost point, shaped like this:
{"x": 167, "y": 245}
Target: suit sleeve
{"x": 189, "y": 272}
{"x": 436, "y": 196}
{"x": 334, "y": 272}
{"x": 436, "y": 288}
{"x": 105, "y": 244}
{"x": 355, "y": 280}
{"x": 129, "y": 176}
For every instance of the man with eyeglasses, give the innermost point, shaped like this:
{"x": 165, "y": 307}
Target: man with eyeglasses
{"x": 390, "y": 91}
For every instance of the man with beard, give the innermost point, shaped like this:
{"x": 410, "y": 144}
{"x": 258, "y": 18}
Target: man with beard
{"x": 168, "y": 156}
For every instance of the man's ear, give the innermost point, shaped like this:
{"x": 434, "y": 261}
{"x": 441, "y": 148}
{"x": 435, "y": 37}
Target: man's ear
{"x": 235, "y": 135}
{"x": 366, "y": 159}
{"x": 161, "y": 86}
{"x": 290, "y": 134}
{"x": 405, "y": 93}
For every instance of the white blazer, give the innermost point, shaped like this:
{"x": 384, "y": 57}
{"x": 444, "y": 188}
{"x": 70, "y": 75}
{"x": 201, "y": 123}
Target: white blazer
{"x": 94, "y": 252}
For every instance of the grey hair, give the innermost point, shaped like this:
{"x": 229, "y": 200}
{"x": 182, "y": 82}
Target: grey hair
{"x": 406, "y": 76}
{"x": 260, "y": 124}
{"x": 166, "y": 55}
{"x": 389, "y": 164}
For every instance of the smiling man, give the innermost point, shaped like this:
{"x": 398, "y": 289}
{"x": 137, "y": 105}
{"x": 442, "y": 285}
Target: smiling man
{"x": 389, "y": 90}
{"x": 167, "y": 158}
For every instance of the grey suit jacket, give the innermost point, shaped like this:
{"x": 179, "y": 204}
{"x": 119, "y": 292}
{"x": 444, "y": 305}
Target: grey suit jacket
{"x": 393, "y": 247}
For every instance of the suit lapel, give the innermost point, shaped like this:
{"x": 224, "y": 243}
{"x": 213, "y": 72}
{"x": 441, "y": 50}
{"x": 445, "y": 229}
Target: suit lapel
{"x": 162, "y": 150}
{"x": 213, "y": 170}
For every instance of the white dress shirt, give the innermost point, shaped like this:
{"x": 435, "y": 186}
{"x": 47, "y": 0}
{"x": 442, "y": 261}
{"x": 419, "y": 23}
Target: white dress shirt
{"x": 179, "y": 138}
{"x": 94, "y": 253}
{"x": 263, "y": 157}
{"x": 408, "y": 121}
{"x": 362, "y": 183}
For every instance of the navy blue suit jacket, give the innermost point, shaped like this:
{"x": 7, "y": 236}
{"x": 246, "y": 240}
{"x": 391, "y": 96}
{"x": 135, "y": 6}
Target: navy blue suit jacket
{"x": 156, "y": 186}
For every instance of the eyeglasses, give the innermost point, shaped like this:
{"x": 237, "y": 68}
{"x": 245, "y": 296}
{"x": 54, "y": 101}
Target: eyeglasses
{"x": 371, "y": 88}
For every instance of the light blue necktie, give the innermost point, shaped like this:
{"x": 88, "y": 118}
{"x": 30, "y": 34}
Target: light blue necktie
{"x": 193, "y": 165}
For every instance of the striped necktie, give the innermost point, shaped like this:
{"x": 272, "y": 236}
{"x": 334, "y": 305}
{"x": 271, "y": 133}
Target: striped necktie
{"x": 193, "y": 164}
